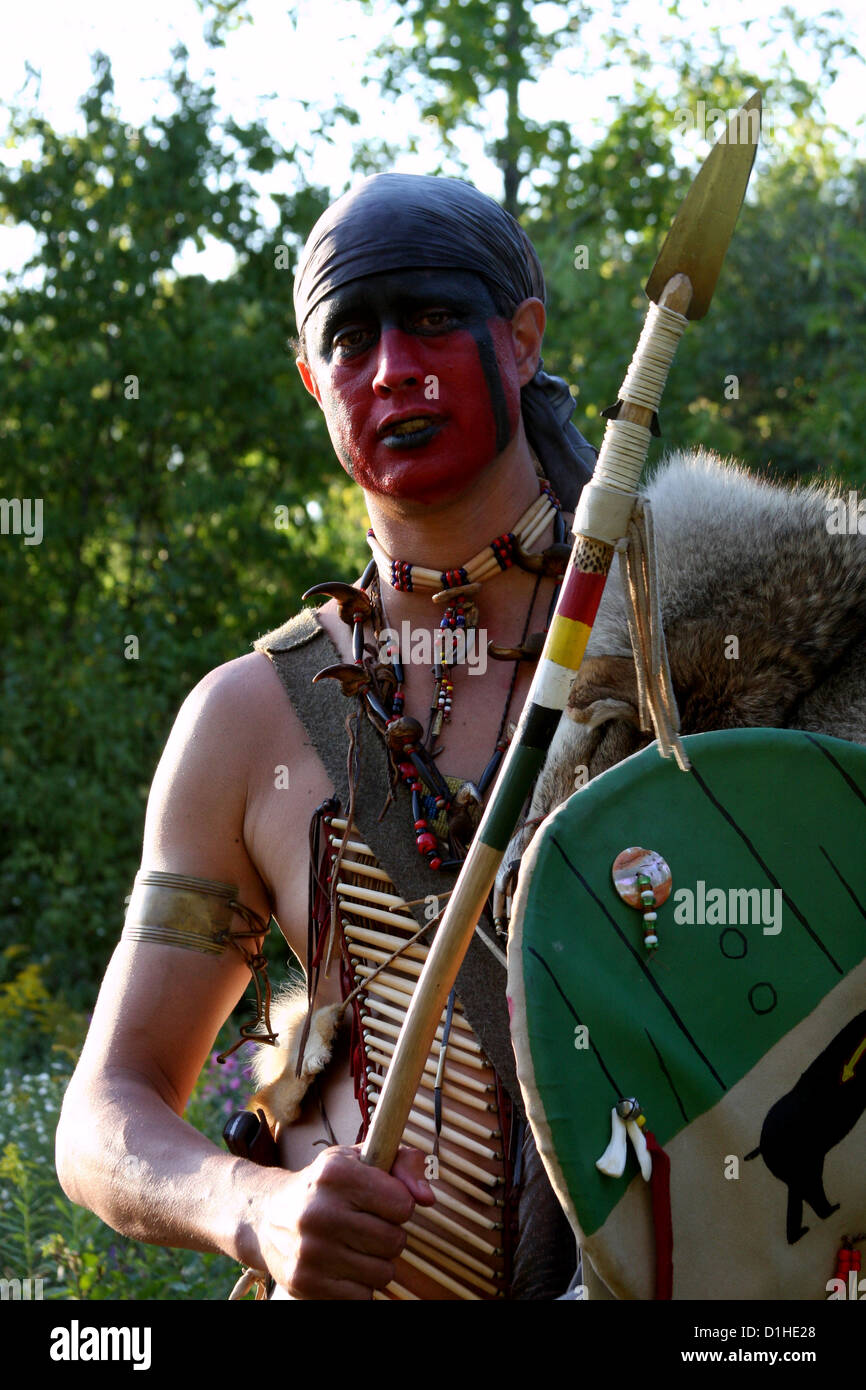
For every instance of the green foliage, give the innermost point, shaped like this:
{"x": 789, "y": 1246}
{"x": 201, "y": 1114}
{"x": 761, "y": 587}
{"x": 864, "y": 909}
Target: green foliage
{"x": 222, "y": 17}
{"x": 772, "y": 374}
{"x": 24, "y": 1000}
{"x": 460, "y": 52}
{"x": 158, "y": 416}
{"x": 188, "y": 486}
{"x": 45, "y": 1236}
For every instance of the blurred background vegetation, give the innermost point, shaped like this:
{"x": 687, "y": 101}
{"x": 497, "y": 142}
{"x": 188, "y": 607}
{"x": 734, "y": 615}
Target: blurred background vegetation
{"x": 190, "y": 491}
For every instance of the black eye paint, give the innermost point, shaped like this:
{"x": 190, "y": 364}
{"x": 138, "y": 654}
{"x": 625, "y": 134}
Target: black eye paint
{"x": 490, "y": 368}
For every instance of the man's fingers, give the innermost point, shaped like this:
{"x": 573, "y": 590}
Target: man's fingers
{"x": 364, "y": 1188}
{"x": 322, "y": 1265}
{"x": 371, "y": 1236}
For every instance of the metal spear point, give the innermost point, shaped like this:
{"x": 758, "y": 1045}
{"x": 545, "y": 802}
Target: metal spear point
{"x": 681, "y": 286}
{"x": 697, "y": 242}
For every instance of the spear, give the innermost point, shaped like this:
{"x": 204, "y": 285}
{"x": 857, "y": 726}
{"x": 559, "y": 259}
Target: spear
{"x": 680, "y": 287}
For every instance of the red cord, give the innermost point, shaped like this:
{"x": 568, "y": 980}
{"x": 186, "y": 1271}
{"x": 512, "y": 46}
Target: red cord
{"x": 660, "y": 1186}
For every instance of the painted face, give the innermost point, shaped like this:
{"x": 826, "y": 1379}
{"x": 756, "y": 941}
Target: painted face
{"x": 417, "y": 378}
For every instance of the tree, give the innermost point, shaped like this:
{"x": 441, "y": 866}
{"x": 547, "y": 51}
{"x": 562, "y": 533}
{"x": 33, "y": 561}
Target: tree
{"x": 160, "y": 422}
{"x": 459, "y": 55}
{"x": 773, "y": 374}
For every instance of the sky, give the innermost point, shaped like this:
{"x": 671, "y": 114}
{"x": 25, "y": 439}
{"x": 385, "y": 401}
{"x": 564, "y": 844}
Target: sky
{"x": 269, "y": 67}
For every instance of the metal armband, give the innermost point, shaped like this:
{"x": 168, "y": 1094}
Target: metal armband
{"x": 195, "y": 914}
{"x": 175, "y": 910}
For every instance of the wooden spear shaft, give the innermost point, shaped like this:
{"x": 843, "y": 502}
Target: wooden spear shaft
{"x": 602, "y": 519}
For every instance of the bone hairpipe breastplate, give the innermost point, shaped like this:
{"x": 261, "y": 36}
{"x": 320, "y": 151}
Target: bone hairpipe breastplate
{"x": 460, "y": 1243}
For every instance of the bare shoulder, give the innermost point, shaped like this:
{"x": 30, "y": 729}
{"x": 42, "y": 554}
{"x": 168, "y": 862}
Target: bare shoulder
{"x": 227, "y": 715}
{"x": 202, "y": 785}
{"x": 235, "y": 789}
{"x": 217, "y": 812}
{"x": 227, "y": 694}
{"x": 239, "y": 703}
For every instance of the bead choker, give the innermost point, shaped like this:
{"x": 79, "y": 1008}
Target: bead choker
{"x": 498, "y": 555}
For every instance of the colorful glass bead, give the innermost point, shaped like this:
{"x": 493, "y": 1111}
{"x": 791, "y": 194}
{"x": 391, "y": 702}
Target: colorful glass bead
{"x": 643, "y": 880}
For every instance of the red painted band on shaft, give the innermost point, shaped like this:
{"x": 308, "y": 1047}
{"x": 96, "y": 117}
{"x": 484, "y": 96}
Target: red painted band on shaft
{"x": 581, "y": 595}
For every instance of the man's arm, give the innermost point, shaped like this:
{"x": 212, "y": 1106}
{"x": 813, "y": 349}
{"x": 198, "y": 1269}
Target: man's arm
{"x": 330, "y": 1231}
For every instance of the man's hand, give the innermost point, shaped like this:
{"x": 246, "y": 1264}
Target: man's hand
{"x": 333, "y": 1230}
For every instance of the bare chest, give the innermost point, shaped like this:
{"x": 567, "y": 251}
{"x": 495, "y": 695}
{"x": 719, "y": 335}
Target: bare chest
{"x": 289, "y": 781}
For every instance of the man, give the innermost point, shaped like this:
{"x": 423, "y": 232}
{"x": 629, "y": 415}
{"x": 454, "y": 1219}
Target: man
{"x": 420, "y": 309}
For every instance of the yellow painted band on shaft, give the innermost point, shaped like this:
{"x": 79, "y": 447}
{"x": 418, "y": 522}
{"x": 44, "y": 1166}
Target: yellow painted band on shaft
{"x": 567, "y": 642}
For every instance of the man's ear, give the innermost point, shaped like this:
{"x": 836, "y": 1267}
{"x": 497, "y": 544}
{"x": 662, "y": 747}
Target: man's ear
{"x": 527, "y": 327}
{"x": 309, "y": 380}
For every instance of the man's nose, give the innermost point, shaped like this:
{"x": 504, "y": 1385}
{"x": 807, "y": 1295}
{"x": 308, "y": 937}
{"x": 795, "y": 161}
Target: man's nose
{"x": 398, "y": 362}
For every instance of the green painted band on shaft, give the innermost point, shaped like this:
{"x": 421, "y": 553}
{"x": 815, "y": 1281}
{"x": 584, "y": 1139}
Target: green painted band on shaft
{"x": 498, "y": 825}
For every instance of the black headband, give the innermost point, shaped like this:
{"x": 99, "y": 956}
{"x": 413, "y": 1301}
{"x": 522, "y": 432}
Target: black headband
{"x": 412, "y": 221}
{"x": 408, "y": 221}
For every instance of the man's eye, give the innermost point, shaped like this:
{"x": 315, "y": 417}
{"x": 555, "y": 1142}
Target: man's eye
{"x": 435, "y": 318}
{"x": 350, "y": 339}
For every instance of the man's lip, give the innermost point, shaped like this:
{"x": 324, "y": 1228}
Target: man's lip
{"x": 399, "y": 443}
{"x": 390, "y": 421}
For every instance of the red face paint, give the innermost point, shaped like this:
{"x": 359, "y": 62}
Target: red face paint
{"x": 417, "y": 379}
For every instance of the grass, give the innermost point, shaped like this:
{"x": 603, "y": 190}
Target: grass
{"x": 42, "y": 1234}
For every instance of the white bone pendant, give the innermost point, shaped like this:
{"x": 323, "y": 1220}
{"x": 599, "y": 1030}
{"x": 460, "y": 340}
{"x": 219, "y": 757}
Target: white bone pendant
{"x": 612, "y": 1161}
{"x": 644, "y": 1157}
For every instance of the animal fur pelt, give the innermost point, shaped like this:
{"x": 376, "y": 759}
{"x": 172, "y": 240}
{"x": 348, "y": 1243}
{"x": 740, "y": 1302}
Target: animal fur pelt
{"x": 739, "y": 558}
{"x": 280, "y": 1091}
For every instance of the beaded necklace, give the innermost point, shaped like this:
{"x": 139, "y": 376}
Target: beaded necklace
{"x": 444, "y": 816}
